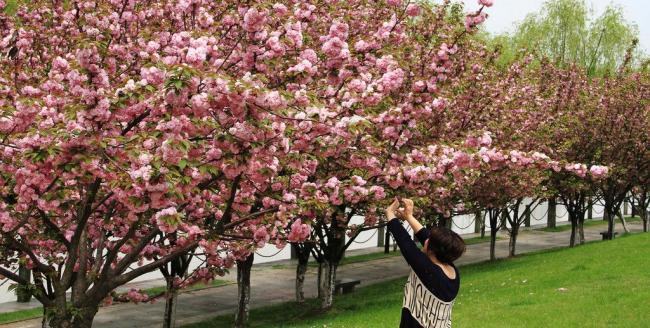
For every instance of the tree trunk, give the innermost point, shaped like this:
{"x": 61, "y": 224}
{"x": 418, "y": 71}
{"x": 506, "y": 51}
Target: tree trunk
{"x": 62, "y": 318}
{"x": 302, "y": 253}
{"x": 581, "y": 230}
{"x": 483, "y": 229}
{"x": 326, "y": 286}
{"x": 171, "y": 297}
{"x": 514, "y": 232}
{"x": 243, "y": 291}
{"x": 622, "y": 218}
{"x": 23, "y": 295}
{"x": 644, "y": 218}
{"x": 610, "y": 216}
{"x": 494, "y": 228}
{"x": 574, "y": 226}
{"x": 493, "y": 244}
{"x": 301, "y": 269}
{"x": 551, "y": 216}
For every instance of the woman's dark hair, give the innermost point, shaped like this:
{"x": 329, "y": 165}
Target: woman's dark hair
{"x": 445, "y": 244}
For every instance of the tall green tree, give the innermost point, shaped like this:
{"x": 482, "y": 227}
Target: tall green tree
{"x": 568, "y": 32}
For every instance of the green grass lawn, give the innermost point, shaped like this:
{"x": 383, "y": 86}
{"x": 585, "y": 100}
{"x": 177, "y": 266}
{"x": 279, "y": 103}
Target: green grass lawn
{"x": 20, "y": 315}
{"x": 601, "y": 284}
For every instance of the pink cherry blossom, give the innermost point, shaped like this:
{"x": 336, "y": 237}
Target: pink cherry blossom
{"x": 487, "y": 3}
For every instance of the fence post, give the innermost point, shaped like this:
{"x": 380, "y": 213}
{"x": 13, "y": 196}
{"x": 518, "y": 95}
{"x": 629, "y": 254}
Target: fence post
{"x": 380, "y": 236}
{"x": 626, "y": 207}
{"x": 551, "y": 218}
{"x": 590, "y": 209}
{"x": 527, "y": 216}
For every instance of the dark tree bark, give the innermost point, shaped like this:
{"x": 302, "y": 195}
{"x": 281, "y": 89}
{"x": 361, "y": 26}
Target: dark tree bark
{"x": 483, "y": 225}
{"x": 243, "y": 291}
{"x": 327, "y": 284}
{"x": 83, "y": 317}
{"x": 333, "y": 252}
{"x": 177, "y": 268}
{"x": 513, "y": 231}
{"x": 581, "y": 229}
{"x": 574, "y": 226}
{"x": 23, "y": 295}
{"x": 577, "y": 218}
{"x": 495, "y": 225}
{"x": 576, "y": 205}
{"x": 171, "y": 298}
{"x": 303, "y": 252}
{"x": 329, "y": 249}
{"x": 516, "y": 218}
{"x": 551, "y": 216}
{"x": 610, "y": 210}
{"x": 512, "y": 245}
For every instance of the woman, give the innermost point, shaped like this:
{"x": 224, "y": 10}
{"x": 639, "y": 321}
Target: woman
{"x": 434, "y": 281}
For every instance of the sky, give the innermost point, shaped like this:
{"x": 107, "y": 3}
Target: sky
{"x": 504, "y": 14}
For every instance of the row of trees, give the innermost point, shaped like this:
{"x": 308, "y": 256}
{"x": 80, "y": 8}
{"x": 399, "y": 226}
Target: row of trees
{"x": 141, "y": 136}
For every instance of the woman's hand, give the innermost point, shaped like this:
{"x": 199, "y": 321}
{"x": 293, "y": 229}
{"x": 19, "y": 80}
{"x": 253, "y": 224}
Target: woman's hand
{"x": 408, "y": 208}
{"x": 407, "y": 214}
{"x": 391, "y": 211}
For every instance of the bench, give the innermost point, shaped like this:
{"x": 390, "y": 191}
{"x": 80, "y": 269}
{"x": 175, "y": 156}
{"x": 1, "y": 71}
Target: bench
{"x": 345, "y": 286}
{"x": 606, "y": 235}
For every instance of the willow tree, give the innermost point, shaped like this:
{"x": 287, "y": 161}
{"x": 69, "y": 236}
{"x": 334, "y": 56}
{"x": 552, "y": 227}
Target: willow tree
{"x": 568, "y": 32}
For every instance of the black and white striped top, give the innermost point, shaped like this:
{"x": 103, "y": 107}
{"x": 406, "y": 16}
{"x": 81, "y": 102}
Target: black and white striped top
{"x": 429, "y": 294}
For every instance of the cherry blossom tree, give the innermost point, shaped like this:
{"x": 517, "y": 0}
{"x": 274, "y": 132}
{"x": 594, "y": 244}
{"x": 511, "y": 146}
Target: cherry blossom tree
{"x": 569, "y": 135}
{"x": 623, "y": 120}
{"x": 598, "y": 122}
{"x": 380, "y": 101}
{"x": 133, "y": 133}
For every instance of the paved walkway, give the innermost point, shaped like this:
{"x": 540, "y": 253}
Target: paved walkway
{"x": 273, "y": 285}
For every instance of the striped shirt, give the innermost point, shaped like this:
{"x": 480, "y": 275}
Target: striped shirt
{"x": 428, "y": 294}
